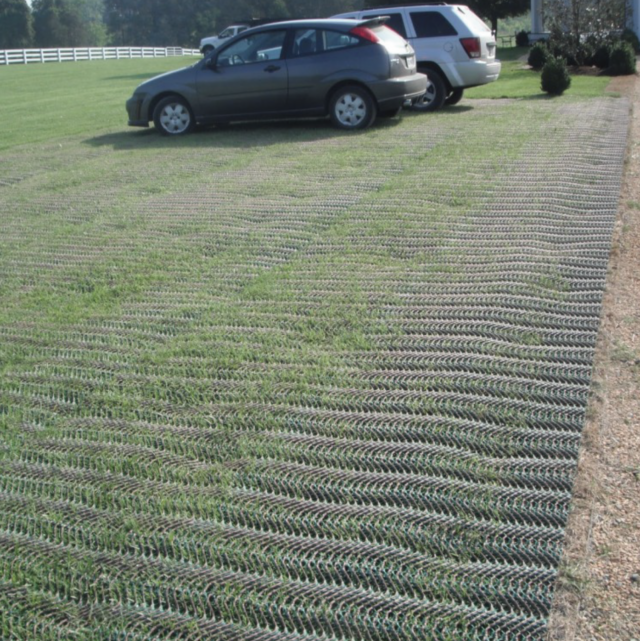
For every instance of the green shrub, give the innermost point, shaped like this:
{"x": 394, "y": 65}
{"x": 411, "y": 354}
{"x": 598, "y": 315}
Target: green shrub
{"x": 622, "y": 61}
{"x": 601, "y": 56}
{"x": 522, "y": 39}
{"x": 538, "y": 56}
{"x": 555, "y": 78}
{"x": 629, "y": 36}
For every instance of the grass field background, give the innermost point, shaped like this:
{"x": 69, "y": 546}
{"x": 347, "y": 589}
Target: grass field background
{"x": 278, "y": 381}
{"x": 45, "y": 101}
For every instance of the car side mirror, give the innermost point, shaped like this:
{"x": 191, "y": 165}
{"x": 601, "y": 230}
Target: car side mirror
{"x": 211, "y": 63}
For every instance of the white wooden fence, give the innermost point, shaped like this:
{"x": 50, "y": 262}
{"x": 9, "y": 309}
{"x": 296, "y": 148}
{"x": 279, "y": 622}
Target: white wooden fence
{"x": 28, "y": 56}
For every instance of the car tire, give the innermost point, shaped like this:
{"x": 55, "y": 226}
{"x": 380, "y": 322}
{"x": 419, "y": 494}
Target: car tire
{"x": 454, "y": 97}
{"x": 207, "y": 49}
{"x": 434, "y": 97}
{"x": 173, "y": 117}
{"x": 352, "y": 107}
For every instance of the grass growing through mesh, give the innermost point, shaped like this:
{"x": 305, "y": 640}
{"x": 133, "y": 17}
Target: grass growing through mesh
{"x": 193, "y": 411}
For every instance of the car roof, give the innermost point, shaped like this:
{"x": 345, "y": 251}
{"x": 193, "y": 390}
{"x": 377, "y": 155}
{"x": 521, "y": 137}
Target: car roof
{"x": 339, "y": 24}
{"x": 413, "y": 5}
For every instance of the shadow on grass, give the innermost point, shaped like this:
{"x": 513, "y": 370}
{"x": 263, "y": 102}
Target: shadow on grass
{"x": 243, "y": 135}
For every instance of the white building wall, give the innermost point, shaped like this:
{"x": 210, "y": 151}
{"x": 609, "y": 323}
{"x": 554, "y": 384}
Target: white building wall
{"x": 635, "y": 17}
{"x": 537, "y": 23}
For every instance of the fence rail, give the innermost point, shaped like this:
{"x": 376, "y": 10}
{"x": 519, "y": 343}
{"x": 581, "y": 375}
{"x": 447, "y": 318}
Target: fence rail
{"x": 28, "y": 56}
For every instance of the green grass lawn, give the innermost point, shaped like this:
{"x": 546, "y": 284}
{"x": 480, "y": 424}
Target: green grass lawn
{"x": 517, "y": 80}
{"x": 45, "y": 101}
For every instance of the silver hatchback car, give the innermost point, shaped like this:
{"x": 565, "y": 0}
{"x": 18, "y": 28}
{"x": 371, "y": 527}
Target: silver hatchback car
{"x": 349, "y": 70}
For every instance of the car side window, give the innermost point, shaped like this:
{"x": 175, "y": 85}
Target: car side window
{"x": 257, "y": 47}
{"x": 309, "y": 41}
{"x": 396, "y": 22}
{"x": 431, "y": 24}
{"x": 306, "y": 42}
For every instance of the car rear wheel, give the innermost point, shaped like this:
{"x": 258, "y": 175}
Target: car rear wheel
{"x": 435, "y": 95}
{"x": 172, "y": 116}
{"x": 352, "y": 107}
{"x": 454, "y": 97}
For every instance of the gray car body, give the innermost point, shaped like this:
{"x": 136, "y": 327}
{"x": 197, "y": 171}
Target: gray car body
{"x": 287, "y": 87}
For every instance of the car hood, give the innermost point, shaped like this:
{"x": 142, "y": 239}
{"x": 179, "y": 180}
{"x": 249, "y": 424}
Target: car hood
{"x": 170, "y": 78}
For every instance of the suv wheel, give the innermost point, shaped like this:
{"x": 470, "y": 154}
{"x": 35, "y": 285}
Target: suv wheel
{"x": 454, "y": 97}
{"x": 172, "y": 116}
{"x": 435, "y": 95}
{"x": 352, "y": 107}
{"x": 207, "y": 49}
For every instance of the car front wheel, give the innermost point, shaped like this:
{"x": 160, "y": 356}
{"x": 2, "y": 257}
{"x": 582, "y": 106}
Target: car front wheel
{"x": 172, "y": 116}
{"x": 352, "y": 107}
{"x": 434, "y": 97}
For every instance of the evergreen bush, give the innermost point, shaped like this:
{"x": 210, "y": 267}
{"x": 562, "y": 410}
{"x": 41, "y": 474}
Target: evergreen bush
{"x": 622, "y": 61}
{"x": 629, "y": 36}
{"x": 601, "y": 56}
{"x": 522, "y": 39}
{"x": 555, "y": 78}
{"x": 538, "y": 56}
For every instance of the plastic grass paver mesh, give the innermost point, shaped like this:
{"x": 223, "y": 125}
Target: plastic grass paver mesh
{"x": 304, "y": 386}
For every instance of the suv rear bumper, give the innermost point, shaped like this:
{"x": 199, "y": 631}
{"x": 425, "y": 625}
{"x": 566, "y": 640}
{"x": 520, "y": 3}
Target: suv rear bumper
{"x": 472, "y": 73}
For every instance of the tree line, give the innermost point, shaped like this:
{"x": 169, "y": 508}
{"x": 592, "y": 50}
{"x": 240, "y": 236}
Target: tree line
{"x": 97, "y": 23}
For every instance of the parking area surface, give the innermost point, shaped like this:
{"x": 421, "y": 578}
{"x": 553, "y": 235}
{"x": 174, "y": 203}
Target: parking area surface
{"x": 281, "y": 382}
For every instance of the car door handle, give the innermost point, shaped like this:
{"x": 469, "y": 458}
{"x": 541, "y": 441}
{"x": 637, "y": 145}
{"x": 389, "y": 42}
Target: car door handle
{"x": 272, "y": 68}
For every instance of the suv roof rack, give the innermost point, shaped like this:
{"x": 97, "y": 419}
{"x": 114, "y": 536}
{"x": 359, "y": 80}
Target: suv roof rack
{"x": 406, "y": 4}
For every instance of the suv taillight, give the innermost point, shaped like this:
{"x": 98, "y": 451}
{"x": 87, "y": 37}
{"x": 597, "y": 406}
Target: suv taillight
{"x": 366, "y": 33}
{"x": 471, "y": 46}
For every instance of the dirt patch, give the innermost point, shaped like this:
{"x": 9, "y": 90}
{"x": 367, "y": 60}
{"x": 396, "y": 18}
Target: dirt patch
{"x": 586, "y": 71}
{"x": 598, "y": 597}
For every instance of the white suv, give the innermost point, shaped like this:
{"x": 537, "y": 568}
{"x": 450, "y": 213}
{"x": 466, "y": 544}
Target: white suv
{"x": 453, "y": 46}
{"x": 213, "y": 42}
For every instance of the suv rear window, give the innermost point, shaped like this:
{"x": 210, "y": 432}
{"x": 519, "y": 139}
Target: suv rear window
{"x": 476, "y": 21}
{"x": 431, "y": 24}
{"x": 395, "y": 22}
